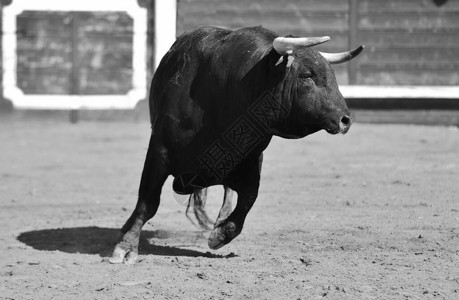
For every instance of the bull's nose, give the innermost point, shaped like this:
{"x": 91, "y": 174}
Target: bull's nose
{"x": 345, "y": 124}
{"x": 346, "y": 120}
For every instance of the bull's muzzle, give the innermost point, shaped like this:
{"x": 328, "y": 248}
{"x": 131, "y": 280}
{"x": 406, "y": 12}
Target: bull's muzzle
{"x": 342, "y": 126}
{"x": 345, "y": 124}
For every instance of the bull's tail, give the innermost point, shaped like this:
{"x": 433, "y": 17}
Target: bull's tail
{"x": 197, "y": 200}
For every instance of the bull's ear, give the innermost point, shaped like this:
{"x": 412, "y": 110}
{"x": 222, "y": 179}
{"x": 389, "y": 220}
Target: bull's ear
{"x": 286, "y": 45}
{"x": 290, "y": 60}
{"x": 277, "y": 63}
{"x": 281, "y": 60}
{"x": 286, "y": 58}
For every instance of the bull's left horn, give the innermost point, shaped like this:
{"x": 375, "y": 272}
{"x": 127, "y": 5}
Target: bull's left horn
{"x": 286, "y": 45}
{"x": 337, "y": 58}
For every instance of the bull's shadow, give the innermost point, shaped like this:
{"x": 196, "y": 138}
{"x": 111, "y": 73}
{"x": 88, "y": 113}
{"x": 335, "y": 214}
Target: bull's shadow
{"x": 97, "y": 240}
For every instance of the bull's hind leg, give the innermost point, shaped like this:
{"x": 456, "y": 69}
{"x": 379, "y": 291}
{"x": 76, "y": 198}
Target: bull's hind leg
{"x": 245, "y": 181}
{"x": 153, "y": 177}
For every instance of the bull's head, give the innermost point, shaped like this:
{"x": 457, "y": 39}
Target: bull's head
{"x": 309, "y": 89}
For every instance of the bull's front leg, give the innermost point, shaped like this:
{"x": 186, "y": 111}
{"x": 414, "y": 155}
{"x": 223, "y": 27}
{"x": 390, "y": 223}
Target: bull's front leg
{"x": 227, "y": 206}
{"x": 245, "y": 181}
{"x": 153, "y": 177}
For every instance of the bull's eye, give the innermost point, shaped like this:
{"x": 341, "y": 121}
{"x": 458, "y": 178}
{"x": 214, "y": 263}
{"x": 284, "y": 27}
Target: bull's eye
{"x": 306, "y": 78}
{"x": 305, "y": 75}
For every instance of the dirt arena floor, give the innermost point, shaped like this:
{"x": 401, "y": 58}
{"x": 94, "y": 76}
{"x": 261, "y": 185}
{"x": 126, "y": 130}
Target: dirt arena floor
{"x": 370, "y": 215}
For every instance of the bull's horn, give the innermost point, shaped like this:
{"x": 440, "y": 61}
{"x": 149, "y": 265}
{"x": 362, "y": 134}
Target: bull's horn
{"x": 286, "y": 45}
{"x": 337, "y": 58}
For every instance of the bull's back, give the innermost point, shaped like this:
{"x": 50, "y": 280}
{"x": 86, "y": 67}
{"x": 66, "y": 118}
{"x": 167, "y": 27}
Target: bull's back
{"x": 175, "y": 74}
{"x": 198, "y": 91}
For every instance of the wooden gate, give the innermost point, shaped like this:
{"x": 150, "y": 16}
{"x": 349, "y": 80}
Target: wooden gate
{"x": 74, "y": 54}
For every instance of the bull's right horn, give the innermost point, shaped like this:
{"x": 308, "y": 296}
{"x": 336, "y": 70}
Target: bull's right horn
{"x": 337, "y": 58}
{"x": 286, "y": 45}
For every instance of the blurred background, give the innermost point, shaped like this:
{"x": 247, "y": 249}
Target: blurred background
{"x": 370, "y": 215}
{"x": 101, "y": 55}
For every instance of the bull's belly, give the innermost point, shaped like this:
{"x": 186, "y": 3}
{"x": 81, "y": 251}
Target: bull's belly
{"x": 210, "y": 158}
{"x": 188, "y": 183}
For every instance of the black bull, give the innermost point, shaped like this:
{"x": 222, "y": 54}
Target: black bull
{"x": 217, "y": 98}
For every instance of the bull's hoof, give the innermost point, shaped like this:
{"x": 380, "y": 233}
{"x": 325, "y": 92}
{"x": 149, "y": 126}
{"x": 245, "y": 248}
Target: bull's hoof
{"x": 123, "y": 254}
{"x": 222, "y": 235}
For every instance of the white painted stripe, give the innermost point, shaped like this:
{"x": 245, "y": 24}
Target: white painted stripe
{"x": 406, "y": 92}
{"x": 65, "y": 102}
{"x": 130, "y": 100}
{"x": 165, "y": 27}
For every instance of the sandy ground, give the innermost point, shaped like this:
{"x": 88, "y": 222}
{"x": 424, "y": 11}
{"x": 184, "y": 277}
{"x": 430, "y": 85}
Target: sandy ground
{"x": 370, "y": 215}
